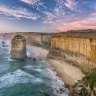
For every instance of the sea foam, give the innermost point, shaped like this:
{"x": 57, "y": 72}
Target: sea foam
{"x": 16, "y": 77}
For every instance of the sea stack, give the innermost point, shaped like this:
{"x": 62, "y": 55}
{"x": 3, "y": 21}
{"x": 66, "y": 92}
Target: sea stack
{"x": 18, "y": 48}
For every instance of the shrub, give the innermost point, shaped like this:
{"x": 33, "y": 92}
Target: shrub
{"x": 90, "y": 78}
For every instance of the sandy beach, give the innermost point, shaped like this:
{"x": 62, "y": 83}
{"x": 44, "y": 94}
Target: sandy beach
{"x": 69, "y": 74}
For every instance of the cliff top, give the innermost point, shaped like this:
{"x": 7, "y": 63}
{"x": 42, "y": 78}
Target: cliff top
{"x": 88, "y": 33}
{"x": 79, "y": 33}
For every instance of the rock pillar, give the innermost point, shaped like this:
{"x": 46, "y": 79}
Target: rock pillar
{"x": 18, "y": 47}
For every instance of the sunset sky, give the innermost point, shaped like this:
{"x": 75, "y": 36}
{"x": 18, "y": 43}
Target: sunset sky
{"x": 47, "y": 15}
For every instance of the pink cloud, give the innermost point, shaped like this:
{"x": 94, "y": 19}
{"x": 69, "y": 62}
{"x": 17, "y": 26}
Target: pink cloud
{"x": 74, "y": 26}
{"x": 70, "y": 4}
{"x": 88, "y": 23}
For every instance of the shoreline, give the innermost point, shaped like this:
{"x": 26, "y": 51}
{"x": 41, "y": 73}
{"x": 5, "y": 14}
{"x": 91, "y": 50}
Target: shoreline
{"x": 68, "y": 73}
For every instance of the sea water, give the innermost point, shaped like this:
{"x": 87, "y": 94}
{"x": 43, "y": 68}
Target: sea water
{"x": 28, "y": 78}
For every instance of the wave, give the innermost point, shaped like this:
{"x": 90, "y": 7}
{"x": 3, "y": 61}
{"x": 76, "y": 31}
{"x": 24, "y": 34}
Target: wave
{"x": 32, "y": 53}
{"x": 16, "y": 77}
{"x": 55, "y": 82}
{"x": 30, "y": 67}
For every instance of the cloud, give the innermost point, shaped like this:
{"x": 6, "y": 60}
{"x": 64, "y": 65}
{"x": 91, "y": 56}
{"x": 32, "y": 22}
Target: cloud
{"x": 63, "y": 21}
{"x": 18, "y": 13}
{"x": 63, "y": 15}
{"x": 54, "y": 16}
{"x": 34, "y": 3}
{"x": 75, "y": 26}
{"x": 49, "y": 17}
{"x": 87, "y": 23}
{"x": 28, "y": 1}
{"x": 59, "y": 13}
{"x": 70, "y": 4}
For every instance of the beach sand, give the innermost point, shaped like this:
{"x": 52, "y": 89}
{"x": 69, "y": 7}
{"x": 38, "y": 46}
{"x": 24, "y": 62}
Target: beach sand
{"x": 69, "y": 74}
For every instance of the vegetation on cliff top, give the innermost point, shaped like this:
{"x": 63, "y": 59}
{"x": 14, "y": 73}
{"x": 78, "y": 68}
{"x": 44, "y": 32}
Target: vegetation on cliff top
{"x": 90, "y": 78}
{"x": 85, "y": 87}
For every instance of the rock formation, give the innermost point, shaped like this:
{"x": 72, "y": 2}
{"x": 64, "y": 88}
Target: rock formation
{"x": 86, "y": 86}
{"x": 18, "y": 47}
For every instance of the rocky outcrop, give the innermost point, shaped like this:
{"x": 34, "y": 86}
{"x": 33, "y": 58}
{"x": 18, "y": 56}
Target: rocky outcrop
{"x": 18, "y": 47}
{"x": 85, "y": 87}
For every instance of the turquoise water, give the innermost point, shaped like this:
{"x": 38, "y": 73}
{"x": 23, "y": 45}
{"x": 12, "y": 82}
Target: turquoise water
{"x": 28, "y": 78}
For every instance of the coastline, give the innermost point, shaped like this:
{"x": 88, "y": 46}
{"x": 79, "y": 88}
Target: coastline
{"x": 68, "y": 73}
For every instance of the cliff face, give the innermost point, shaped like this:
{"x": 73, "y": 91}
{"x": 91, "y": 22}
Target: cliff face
{"x": 84, "y": 46}
{"x": 82, "y": 42}
{"x": 36, "y": 39}
{"x": 41, "y": 40}
{"x": 77, "y": 48}
{"x": 18, "y": 47}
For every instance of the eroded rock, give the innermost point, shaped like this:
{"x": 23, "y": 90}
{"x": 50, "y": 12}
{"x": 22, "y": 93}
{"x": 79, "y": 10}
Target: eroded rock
{"x": 18, "y": 47}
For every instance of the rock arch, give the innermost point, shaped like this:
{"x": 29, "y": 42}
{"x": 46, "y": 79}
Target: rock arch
{"x": 18, "y": 47}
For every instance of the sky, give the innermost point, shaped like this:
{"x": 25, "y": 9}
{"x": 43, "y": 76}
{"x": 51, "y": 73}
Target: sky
{"x": 47, "y": 15}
